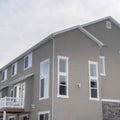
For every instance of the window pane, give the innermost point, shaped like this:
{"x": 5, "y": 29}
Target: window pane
{"x": 62, "y": 90}
{"x": 62, "y": 65}
{"x": 15, "y": 91}
{"x": 42, "y": 87}
{"x": 44, "y": 69}
{"x": 62, "y": 80}
{"x": 25, "y": 118}
{"x": 41, "y": 117}
{"x": 46, "y": 116}
{"x": 26, "y": 62}
{"x": 3, "y": 75}
{"x": 13, "y": 69}
{"x": 44, "y": 76}
{"x": 46, "y": 88}
{"x": 93, "y": 70}
{"x": 93, "y": 84}
{"x": 94, "y": 93}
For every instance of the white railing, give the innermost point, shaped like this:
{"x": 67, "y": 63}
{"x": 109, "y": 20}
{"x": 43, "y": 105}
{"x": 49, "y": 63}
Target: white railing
{"x": 11, "y": 102}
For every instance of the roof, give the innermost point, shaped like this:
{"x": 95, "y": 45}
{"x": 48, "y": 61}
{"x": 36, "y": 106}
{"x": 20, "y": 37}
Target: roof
{"x": 52, "y": 36}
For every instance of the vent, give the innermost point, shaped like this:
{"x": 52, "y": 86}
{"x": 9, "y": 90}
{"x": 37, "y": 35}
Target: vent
{"x": 108, "y": 25}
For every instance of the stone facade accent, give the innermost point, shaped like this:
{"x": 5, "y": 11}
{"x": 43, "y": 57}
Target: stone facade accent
{"x": 111, "y": 111}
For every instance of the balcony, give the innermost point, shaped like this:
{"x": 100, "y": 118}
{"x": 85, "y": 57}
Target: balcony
{"x": 11, "y": 103}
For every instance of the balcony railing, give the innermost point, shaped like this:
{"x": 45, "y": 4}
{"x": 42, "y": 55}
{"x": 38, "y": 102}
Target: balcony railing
{"x": 11, "y": 102}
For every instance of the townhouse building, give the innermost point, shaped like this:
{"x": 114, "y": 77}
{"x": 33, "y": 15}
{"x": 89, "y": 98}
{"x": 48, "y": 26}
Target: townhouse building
{"x": 72, "y": 74}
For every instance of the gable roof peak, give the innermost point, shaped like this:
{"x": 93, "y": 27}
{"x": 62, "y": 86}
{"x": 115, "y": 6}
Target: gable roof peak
{"x": 100, "y": 20}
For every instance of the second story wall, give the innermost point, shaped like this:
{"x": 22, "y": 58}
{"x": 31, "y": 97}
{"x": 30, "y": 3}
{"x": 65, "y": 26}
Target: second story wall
{"x": 32, "y": 76}
{"x": 111, "y": 38}
{"x": 78, "y": 50}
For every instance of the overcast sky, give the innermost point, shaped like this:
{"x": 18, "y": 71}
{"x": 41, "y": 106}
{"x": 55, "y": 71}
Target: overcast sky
{"x": 23, "y": 23}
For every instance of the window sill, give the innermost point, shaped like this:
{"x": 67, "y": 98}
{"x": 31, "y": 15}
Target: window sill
{"x": 13, "y": 75}
{"x": 44, "y": 98}
{"x": 102, "y": 74}
{"x": 95, "y": 99}
{"x": 3, "y": 81}
{"x": 27, "y": 68}
{"x": 62, "y": 96}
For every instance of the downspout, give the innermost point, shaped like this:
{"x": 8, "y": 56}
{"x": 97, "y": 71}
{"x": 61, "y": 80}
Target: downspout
{"x": 53, "y": 50}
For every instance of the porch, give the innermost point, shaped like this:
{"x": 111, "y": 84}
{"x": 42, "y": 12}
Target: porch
{"x": 11, "y": 102}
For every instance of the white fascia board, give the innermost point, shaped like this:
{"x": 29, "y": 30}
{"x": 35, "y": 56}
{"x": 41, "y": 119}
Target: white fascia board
{"x": 65, "y": 30}
{"x": 96, "y": 21}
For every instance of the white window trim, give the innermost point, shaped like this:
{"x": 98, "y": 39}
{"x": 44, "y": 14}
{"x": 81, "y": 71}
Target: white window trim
{"x": 104, "y": 73}
{"x": 5, "y": 77}
{"x": 90, "y": 98}
{"x": 19, "y": 85}
{"x": 29, "y": 64}
{"x": 111, "y": 100}
{"x": 44, "y": 112}
{"x": 66, "y": 74}
{"x": 46, "y": 97}
{"x": 9, "y": 117}
{"x": 15, "y": 72}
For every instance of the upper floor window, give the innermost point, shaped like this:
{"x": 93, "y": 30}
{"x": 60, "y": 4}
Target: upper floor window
{"x": 4, "y": 75}
{"x": 44, "y": 115}
{"x": 28, "y": 61}
{"x": 102, "y": 65}
{"x": 44, "y": 79}
{"x": 62, "y": 76}
{"x": 14, "y": 69}
{"x": 93, "y": 81}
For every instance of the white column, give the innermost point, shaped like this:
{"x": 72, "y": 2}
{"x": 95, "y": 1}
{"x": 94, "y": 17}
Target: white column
{"x": 4, "y": 115}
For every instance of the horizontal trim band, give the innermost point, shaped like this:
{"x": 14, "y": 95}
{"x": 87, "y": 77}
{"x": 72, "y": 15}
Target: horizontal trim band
{"x": 110, "y": 100}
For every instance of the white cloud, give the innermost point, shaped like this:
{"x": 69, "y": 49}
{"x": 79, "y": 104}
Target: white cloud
{"x": 25, "y": 22}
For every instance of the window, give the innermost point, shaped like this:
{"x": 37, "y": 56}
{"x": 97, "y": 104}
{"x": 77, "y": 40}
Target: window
{"x": 4, "y": 75}
{"x": 44, "y": 115}
{"x": 11, "y": 117}
{"x": 44, "y": 79}
{"x": 108, "y": 25}
{"x": 16, "y": 93}
{"x": 11, "y": 93}
{"x": 93, "y": 81}
{"x": 24, "y": 117}
{"x": 62, "y": 76}
{"x": 102, "y": 65}
{"x": 28, "y": 61}
{"x": 14, "y": 69}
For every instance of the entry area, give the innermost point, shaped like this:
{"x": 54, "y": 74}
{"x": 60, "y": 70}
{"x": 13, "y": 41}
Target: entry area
{"x": 24, "y": 117}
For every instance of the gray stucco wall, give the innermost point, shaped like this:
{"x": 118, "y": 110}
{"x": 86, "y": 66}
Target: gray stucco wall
{"x": 79, "y": 49}
{"x": 111, "y": 38}
{"x": 42, "y": 53}
{"x": 32, "y": 83}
